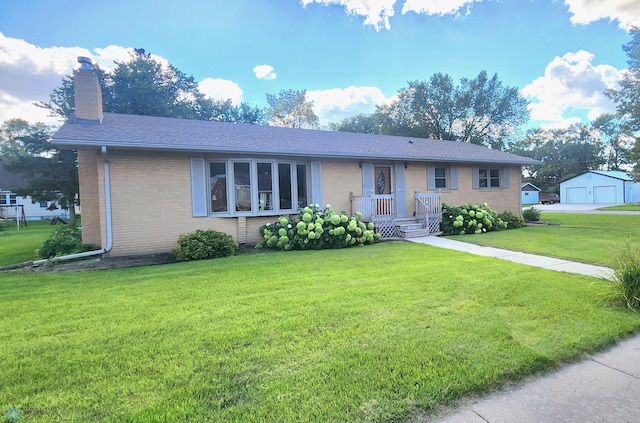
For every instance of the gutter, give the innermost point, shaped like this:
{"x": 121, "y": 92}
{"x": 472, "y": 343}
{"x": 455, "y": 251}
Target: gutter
{"x": 106, "y": 249}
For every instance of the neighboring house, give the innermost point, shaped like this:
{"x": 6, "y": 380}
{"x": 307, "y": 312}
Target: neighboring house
{"x": 146, "y": 180}
{"x": 12, "y": 205}
{"x": 600, "y": 187}
{"x": 529, "y": 193}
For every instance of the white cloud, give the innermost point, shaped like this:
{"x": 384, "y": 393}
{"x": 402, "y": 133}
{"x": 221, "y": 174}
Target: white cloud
{"x": 437, "y": 7}
{"x": 221, "y": 89}
{"x": 571, "y": 82}
{"x": 29, "y": 73}
{"x": 264, "y": 72}
{"x": 335, "y": 104}
{"x": 626, "y": 12}
{"x": 375, "y": 12}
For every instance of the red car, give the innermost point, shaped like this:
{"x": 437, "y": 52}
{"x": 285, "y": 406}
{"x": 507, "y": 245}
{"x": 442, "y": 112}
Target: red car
{"x": 550, "y": 198}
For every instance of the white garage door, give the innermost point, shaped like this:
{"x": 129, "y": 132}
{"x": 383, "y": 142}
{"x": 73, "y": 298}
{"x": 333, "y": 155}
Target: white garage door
{"x": 604, "y": 194}
{"x": 576, "y": 195}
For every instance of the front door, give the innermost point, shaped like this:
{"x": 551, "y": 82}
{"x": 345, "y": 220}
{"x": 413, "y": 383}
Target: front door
{"x": 382, "y": 182}
{"x": 382, "y": 179}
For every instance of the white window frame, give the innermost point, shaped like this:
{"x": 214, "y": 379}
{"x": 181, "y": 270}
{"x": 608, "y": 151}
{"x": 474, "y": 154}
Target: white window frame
{"x": 503, "y": 181}
{"x": 450, "y": 177}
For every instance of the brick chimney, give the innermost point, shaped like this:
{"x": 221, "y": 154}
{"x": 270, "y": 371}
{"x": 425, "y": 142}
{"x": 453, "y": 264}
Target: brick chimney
{"x": 87, "y": 93}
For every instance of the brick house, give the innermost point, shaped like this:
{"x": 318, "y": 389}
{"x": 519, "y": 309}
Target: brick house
{"x": 146, "y": 180}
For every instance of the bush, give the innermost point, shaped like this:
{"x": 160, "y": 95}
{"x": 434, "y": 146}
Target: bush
{"x": 513, "y": 220}
{"x": 624, "y": 285}
{"x": 201, "y": 245}
{"x": 62, "y": 242}
{"x": 315, "y": 228}
{"x": 531, "y": 214}
{"x": 469, "y": 219}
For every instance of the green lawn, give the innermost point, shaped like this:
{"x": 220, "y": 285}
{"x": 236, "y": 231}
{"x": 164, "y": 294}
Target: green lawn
{"x": 587, "y": 238}
{"x": 363, "y": 334}
{"x": 625, "y": 207}
{"x": 17, "y": 246}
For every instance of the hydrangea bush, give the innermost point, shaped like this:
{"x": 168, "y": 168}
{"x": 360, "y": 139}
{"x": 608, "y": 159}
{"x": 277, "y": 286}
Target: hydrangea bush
{"x": 315, "y": 228}
{"x": 469, "y": 219}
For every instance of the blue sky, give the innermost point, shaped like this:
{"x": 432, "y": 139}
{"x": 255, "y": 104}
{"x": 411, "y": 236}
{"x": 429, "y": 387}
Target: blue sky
{"x": 348, "y": 54}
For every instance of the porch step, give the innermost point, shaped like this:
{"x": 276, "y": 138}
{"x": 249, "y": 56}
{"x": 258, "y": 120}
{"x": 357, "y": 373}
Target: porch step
{"x": 413, "y": 233}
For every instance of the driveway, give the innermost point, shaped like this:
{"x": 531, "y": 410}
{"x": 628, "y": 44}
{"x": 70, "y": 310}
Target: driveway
{"x": 579, "y": 208}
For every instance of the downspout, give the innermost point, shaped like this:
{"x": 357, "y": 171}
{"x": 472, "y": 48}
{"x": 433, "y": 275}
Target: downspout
{"x": 107, "y": 202}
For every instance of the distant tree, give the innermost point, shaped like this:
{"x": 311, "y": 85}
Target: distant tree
{"x": 145, "y": 86}
{"x": 25, "y": 149}
{"x": 362, "y": 123}
{"x": 479, "y": 111}
{"x": 290, "y": 108}
{"x": 617, "y": 140}
{"x": 565, "y": 152}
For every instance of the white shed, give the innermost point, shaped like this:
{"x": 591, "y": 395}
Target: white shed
{"x": 600, "y": 187}
{"x": 529, "y": 193}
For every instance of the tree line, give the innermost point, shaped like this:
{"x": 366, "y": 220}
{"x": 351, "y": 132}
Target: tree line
{"x": 479, "y": 110}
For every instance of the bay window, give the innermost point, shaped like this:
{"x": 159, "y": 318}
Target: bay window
{"x": 257, "y": 187}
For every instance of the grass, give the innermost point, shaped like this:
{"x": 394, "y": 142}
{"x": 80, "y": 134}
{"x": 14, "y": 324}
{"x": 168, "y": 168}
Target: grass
{"x": 587, "y": 238}
{"x": 363, "y": 334}
{"x": 17, "y": 246}
{"x": 625, "y": 207}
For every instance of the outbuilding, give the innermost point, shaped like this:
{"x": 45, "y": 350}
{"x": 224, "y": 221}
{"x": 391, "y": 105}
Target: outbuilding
{"x": 529, "y": 193}
{"x": 600, "y": 187}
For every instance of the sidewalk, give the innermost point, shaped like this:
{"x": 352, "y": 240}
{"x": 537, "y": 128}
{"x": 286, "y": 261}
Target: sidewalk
{"x": 603, "y": 388}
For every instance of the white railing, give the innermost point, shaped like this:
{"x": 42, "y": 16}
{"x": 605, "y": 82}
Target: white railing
{"x": 429, "y": 211}
{"x": 375, "y": 208}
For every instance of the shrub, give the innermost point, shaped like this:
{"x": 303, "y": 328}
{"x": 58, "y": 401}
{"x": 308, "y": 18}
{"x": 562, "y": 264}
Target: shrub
{"x": 202, "y": 244}
{"x": 62, "y": 242}
{"x": 513, "y": 220}
{"x": 315, "y": 228}
{"x": 469, "y": 219}
{"x": 531, "y": 214}
{"x": 624, "y": 285}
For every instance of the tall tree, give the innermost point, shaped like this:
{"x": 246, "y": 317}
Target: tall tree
{"x": 291, "y": 109}
{"x": 25, "y": 149}
{"x": 627, "y": 97}
{"x": 145, "y": 86}
{"x": 478, "y": 110}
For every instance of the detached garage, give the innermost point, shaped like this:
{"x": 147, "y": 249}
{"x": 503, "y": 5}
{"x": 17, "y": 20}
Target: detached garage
{"x": 600, "y": 187}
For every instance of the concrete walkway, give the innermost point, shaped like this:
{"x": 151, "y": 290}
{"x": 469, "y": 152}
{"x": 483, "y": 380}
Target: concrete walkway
{"x": 603, "y": 388}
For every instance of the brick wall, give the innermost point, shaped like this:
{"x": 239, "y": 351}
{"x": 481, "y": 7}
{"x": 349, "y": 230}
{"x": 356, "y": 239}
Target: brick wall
{"x": 90, "y": 197}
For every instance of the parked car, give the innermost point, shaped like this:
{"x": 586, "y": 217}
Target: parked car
{"x": 549, "y": 197}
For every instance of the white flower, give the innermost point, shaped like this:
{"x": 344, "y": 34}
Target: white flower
{"x": 484, "y": 229}
{"x": 268, "y": 224}
{"x": 289, "y": 226}
{"x": 328, "y": 206}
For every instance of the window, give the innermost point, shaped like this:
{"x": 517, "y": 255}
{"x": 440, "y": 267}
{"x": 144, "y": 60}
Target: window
{"x": 284, "y": 186}
{"x": 3, "y": 199}
{"x": 242, "y": 182}
{"x": 43, "y": 204}
{"x": 259, "y": 187}
{"x": 218, "y": 183}
{"x": 442, "y": 177}
{"x": 13, "y": 199}
{"x": 489, "y": 178}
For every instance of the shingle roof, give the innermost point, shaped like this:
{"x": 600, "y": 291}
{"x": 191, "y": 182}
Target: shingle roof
{"x": 147, "y": 132}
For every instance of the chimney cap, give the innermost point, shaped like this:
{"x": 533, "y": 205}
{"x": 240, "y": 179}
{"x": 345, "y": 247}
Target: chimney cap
{"x": 85, "y": 63}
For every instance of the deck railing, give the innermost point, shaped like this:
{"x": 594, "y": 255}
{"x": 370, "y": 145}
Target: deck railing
{"x": 429, "y": 211}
